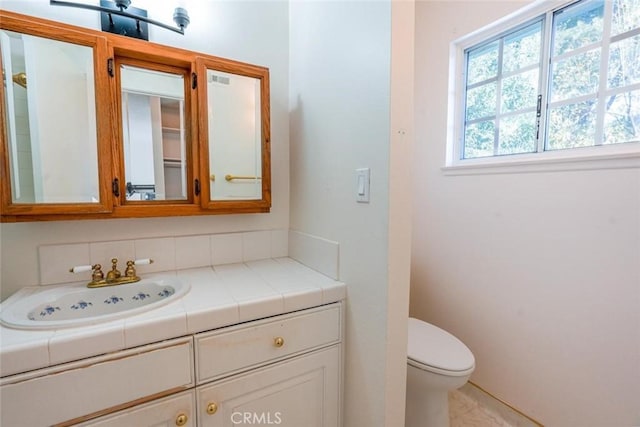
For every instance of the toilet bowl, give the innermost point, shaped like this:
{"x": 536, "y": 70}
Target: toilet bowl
{"x": 437, "y": 362}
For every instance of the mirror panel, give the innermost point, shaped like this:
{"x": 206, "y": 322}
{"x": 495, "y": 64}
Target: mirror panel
{"x": 50, "y": 120}
{"x": 154, "y": 134}
{"x": 235, "y": 136}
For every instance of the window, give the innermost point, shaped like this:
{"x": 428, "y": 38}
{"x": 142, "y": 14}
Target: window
{"x": 558, "y": 79}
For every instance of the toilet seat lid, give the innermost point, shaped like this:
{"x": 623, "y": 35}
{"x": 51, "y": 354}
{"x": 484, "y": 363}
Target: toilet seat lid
{"x": 431, "y": 346}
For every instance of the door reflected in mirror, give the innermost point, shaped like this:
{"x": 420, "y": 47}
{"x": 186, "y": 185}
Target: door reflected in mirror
{"x": 235, "y": 136}
{"x": 154, "y": 136}
{"x": 50, "y": 121}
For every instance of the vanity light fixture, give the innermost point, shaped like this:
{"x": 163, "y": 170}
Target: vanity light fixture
{"x": 119, "y": 18}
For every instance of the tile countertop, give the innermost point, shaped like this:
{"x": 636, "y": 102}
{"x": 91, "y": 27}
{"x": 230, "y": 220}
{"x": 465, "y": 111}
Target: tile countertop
{"x": 220, "y": 296}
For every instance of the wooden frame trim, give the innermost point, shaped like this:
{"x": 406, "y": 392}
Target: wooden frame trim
{"x": 190, "y": 131}
{"x": 98, "y": 44}
{"x": 204, "y": 63}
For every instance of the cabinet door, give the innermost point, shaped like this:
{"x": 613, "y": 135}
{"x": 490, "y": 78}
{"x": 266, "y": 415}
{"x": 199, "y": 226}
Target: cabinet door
{"x": 303, "y": 391}
{"x": 55, "y": 120}
{"x": 235, "y": 135}
{"x": 176, "y": 410}
{"x": 156, "y": 149}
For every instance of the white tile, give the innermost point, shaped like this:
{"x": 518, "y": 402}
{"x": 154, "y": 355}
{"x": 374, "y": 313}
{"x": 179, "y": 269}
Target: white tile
{"x": 23, "y": 350}
{"x": 304, "y": 273}
{"x": 226, "y": 248}
{"x": 297, "y": 293}
{"x": 278, "y": 276}
{"x": 299, "y": 285}
{"x": 272, "y": 272}
{"x": 243, "y": 283}
{"x": 102, "y": 253}
{"x": 212, "y": 306}
{"x": 302, "y": 298}
{"x": 158, "y": 325}
{"x": 207, "y": 318}
{"x": 211, "y": 291}
{"x": 255, "y": 297}
{"x": 317, "y": 253}
{"x": 56, "y": 260}
{"x": 334, "y": 292}
{"x": 251, "y": 309}
{"x": 193, "y": 251}
{"x": 78, "y": 343}
{"x": 279, "y": 243}
{"x": 199, "y": 274}
{"x": 256, "y": 245}
{"x": 161, "y": 250}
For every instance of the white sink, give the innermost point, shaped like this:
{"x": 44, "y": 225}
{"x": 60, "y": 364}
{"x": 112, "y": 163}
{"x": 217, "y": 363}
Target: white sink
{"x": 77, "y": 305}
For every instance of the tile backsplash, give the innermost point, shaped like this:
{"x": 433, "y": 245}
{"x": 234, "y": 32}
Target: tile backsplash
{"x": 183, "y": 252}
{"x": 168, "y": 253}
{"x": 321, "y": 254}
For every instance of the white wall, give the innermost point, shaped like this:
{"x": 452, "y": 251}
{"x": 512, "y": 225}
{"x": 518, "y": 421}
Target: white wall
{"x": 345, "y": 114}
{"x": 250, "y": 31}
{"x": 538, "y": 273}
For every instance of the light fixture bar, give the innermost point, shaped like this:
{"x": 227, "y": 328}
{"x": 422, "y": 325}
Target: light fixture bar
{"x": 180, "y": 15}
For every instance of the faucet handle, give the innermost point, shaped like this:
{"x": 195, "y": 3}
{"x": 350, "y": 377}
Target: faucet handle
{"x": 81, "y": 268}
{"x": 95, "y": 269}
{"x": 130, "y": 271}
{"x": 97, "y": 274}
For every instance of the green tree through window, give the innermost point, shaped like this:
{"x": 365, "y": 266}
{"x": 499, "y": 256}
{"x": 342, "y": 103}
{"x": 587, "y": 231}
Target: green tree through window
{"x": 582, "y": 90}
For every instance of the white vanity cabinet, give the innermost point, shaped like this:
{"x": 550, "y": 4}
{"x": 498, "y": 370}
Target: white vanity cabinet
{"x": 287, "y": 371}
{"x": 283, "y": 370}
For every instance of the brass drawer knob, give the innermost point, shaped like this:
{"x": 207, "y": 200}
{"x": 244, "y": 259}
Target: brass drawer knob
{"x": 181, "y": 419}
{"x": 278, "y": 342}
{"x": 212, "y": 408}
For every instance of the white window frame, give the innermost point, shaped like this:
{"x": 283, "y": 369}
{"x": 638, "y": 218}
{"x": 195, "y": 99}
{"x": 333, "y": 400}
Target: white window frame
{"x": 623, "y": 155}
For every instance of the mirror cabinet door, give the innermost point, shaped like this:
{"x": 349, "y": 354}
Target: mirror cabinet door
{"x": 154, "y": 133}
{"x": 54, "y": 148}
{"x": 235, "y": 135}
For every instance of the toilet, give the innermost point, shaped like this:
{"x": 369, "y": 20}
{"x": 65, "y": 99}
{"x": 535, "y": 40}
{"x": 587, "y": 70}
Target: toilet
{"x": 437, "y": 362}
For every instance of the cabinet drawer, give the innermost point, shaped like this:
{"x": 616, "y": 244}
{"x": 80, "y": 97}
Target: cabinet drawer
{"x": 97, "y": 385}
{"x": 220, "y": 353}
{"x": 175, "y": 410}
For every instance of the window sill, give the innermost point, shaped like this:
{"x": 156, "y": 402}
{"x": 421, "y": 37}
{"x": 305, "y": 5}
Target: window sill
{"x": 546, "y": 162}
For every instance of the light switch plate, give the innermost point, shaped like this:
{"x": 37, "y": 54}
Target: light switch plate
{"x": 362, "y": 185}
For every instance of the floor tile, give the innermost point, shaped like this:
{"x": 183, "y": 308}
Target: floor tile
{"x": 466, "y": 412}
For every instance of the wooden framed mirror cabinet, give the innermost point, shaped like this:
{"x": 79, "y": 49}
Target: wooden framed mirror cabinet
{"x": 98, "y": 125}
